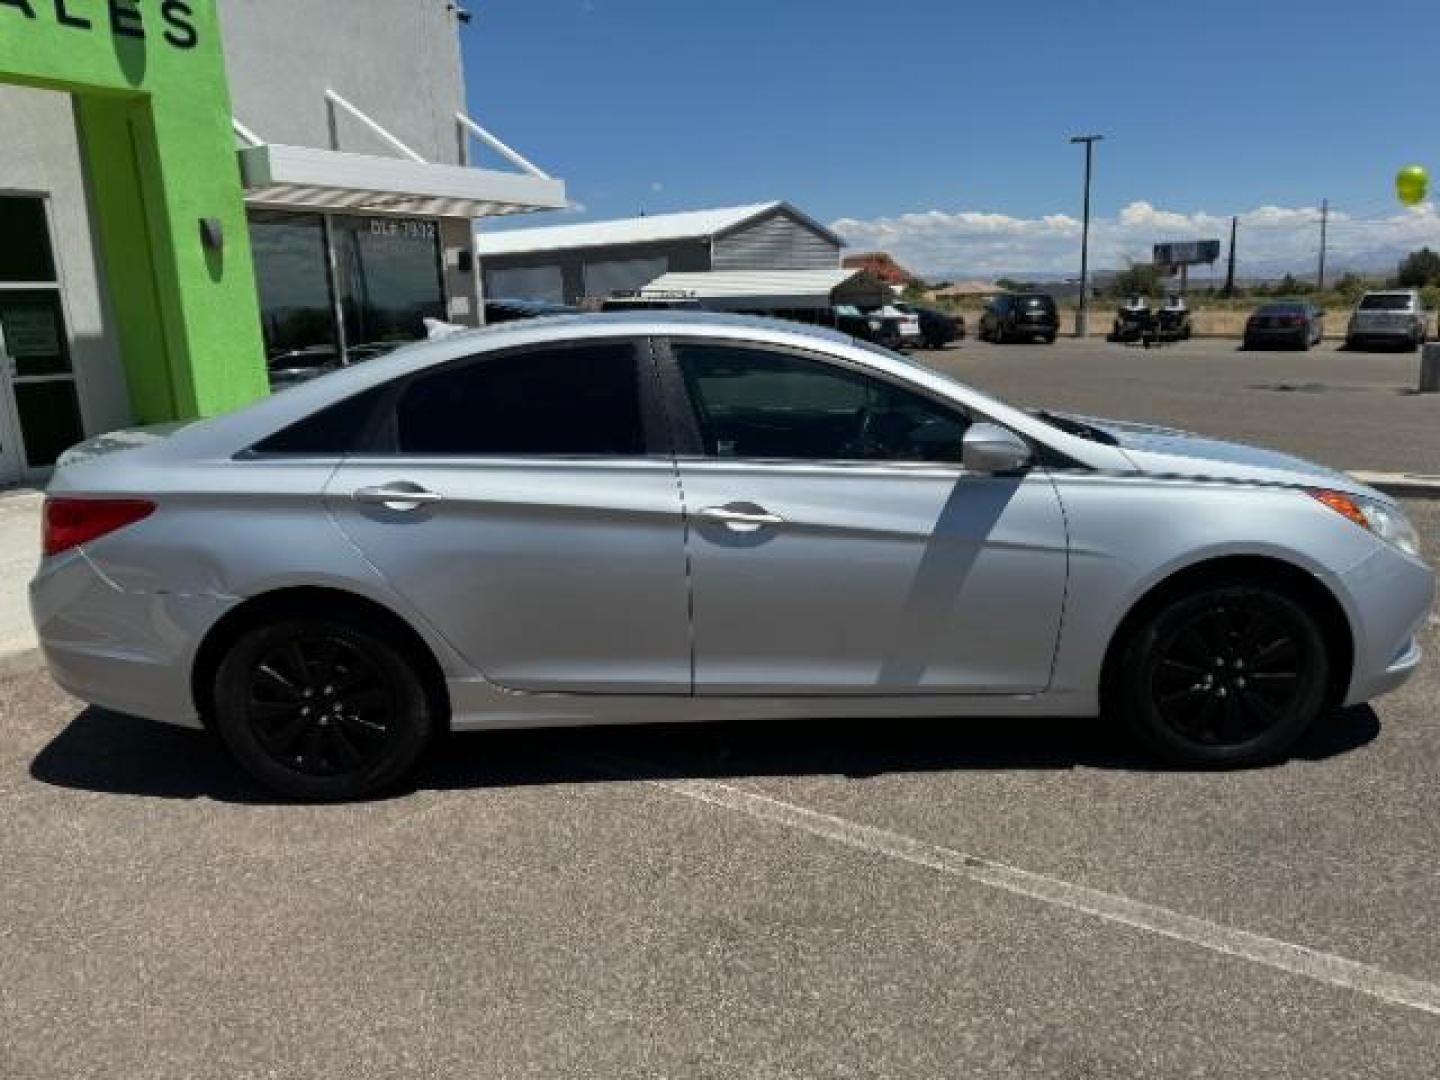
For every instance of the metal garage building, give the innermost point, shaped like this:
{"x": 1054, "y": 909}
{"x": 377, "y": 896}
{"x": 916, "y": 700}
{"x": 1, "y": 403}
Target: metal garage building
{"x": 568, "y": 263}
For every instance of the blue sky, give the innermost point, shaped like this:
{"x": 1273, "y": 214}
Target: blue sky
{"x": 939, "y": 129}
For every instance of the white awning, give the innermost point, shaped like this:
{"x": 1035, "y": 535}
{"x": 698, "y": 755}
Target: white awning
{"x": 774, "y": 290}
{"x": 297, "y": 177}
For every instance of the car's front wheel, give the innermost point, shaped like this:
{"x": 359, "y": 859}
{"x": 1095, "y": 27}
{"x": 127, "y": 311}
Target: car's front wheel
{"x": 321, "y": 708}
{"x": 1228, "y": 676}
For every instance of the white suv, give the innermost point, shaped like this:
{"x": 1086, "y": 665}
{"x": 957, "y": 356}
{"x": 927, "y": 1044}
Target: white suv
{"x": 1394, "y": 317}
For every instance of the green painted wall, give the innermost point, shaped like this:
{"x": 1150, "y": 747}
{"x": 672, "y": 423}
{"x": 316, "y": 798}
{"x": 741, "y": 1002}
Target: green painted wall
{"x": 153, "y": 105}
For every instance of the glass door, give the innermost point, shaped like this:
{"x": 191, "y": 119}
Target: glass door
{"x": 11, "y": 460}
{"x": 39, "y": 408}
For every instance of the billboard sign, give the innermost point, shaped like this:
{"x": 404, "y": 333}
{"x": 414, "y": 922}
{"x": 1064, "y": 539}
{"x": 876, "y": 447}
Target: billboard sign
{"x": 1187, "y": 252}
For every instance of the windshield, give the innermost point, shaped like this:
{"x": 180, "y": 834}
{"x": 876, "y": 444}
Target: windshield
{"x": 1386, "y": 302}
{"x": 1036, "y": 303}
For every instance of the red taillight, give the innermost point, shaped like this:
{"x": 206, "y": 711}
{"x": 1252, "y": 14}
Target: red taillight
{"x": 69, "y": 522}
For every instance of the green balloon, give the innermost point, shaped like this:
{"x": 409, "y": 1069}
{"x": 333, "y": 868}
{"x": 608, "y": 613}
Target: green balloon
{"x": 1412, "y": 184}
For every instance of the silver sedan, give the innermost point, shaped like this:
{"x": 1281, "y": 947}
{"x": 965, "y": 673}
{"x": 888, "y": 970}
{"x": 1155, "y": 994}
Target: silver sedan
{"x": 677, "y": 516}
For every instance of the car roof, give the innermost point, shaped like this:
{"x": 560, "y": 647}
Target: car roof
{"x": 654, "y": 321}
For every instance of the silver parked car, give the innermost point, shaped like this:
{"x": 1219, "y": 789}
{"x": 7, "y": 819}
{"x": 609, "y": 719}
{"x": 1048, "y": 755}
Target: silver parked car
{"x": 671, "y": 516}
{"x": 1395, "y": 318}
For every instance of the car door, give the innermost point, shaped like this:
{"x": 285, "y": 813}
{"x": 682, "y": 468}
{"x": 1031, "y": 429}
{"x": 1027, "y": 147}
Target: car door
{"x": 836, "y": 544}
{"x": 525, "y": 503}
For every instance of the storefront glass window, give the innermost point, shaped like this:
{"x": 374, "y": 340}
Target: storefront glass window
{"x": 293, "y": 278}
{"x": 37, "y": 385}
{"x": 24, "y": 241}
{"x": 389, "y": 278}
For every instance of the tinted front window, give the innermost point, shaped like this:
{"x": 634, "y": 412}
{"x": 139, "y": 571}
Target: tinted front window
{"x": 754, "y": 403}
{"x": 582, "y": 400}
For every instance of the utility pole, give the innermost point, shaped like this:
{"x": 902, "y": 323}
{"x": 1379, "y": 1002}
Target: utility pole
{"x": 1324, "y": 223}
{"x": 1082, "y": 317}
{"x": 1230, "y": 267}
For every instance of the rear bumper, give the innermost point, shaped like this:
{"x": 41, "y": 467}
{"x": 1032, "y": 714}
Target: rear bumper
{"x": 1379, "y": 337}
{"x": 1390, "y": 598}
{"x": 131, "y": 652}
{"x": 1277, "y": 334}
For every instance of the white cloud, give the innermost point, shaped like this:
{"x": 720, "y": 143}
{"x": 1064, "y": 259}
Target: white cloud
{"x": 1272, "y": 238}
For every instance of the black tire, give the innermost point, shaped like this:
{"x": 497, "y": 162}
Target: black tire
{"x": 322, "y": 708}
{"x": 1048, "y": 339}
{"x": 1227, "y": 677}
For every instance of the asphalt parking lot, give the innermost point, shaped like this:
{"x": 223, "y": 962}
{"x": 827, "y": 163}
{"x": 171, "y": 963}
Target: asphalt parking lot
{"x": 1351, "y": 410}
{"x": 977, "y": 898}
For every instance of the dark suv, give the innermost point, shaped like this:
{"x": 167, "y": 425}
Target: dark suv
{"x": 1020, "y": 317}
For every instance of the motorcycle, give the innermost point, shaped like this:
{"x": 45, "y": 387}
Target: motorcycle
{"x": 1134, "y": 321}
{"x": 1173, "y": 322}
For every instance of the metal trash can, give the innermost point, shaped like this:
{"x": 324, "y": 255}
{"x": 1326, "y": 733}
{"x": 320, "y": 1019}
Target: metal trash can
{"x": 1430, "y": 369}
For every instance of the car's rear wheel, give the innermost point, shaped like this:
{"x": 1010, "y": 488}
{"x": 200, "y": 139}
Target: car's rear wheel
{"x": 319, "y": 708}
{"x": 1228, "y": 676}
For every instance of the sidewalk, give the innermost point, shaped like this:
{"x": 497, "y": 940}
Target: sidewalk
{"x": 19, "y": 554}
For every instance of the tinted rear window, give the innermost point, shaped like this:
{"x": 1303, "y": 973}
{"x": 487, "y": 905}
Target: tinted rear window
{"x": 583, "y": 400}
{"x": 1282, "y": 309}
{"x": 1386, "y": 302}
{"x": 1036, "y": 303}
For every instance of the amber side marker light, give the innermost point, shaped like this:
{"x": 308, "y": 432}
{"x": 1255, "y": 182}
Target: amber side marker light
{"x": 1342, "y": 504}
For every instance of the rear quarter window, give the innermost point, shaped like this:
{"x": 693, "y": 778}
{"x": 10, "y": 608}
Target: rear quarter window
{"x": 342, "y": 428}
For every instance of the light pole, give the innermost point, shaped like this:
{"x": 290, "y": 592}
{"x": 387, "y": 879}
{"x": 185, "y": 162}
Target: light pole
{"x": 1082, "y": 317}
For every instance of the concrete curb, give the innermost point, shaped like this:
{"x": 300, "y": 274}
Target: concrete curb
{"x": 1402, "y": 485}
{"x": 24, "y": 661}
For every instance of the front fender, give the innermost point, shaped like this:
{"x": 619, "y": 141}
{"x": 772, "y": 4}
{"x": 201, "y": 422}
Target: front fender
{"x": 1128, "y": 534}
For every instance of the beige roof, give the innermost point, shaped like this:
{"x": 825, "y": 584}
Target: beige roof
{"x": 969, "y": 288}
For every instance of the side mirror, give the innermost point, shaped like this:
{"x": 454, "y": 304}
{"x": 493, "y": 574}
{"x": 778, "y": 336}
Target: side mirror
{"x": 990, "y": 448}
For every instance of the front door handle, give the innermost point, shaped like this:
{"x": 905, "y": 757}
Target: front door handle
{"x": 397, "y": 495}
{"x": 740, "y": 516}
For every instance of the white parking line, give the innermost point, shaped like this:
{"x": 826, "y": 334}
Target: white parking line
{"x": 1258, "y": 949}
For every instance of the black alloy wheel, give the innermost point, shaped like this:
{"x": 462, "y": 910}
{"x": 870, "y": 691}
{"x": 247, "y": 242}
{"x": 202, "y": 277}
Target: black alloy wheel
{"x": 1230, "y": 676}
{"x": 320, "y": 709}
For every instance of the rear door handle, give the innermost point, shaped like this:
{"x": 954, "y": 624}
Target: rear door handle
{"x": 397, "y": 495}
{"x": 740, "y": 516}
